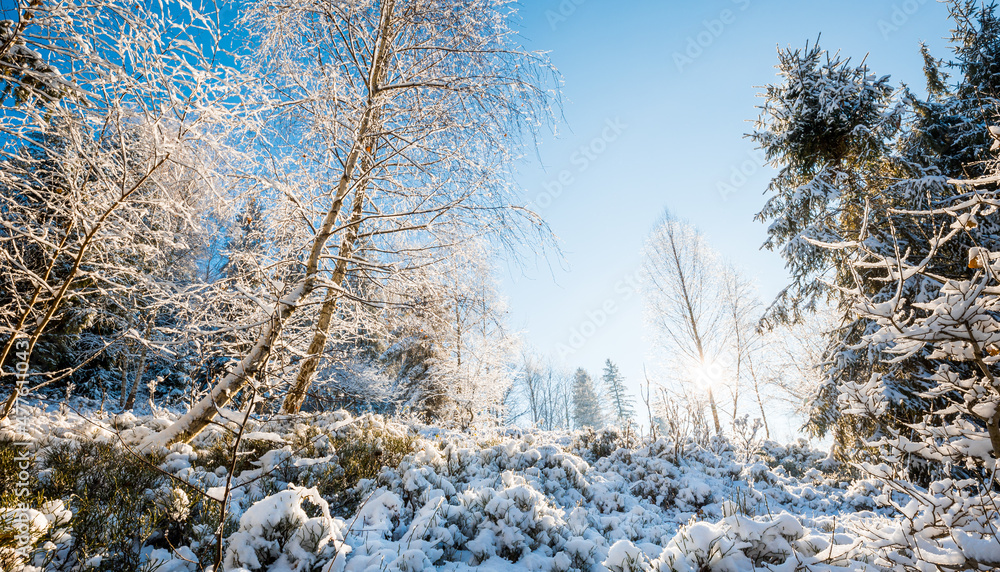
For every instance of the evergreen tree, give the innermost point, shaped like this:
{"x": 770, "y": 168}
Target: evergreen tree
{"x": 622, "y": 404}
{"x": 248, "y": 247}
{"x": 586, "y": 407}
{"x": 854, "y": 162}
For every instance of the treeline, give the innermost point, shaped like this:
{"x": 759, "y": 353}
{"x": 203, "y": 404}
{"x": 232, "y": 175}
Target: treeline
{"x": 547, "y": 396}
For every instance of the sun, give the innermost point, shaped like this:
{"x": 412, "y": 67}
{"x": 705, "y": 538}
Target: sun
{"x": 707, "y": 374}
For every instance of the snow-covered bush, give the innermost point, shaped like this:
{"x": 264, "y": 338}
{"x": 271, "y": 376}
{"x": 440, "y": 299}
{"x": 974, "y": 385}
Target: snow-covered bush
{"x": 277, "y": 533}
{"x": 738, "y": 543}
{"x": 32, "y": 538}
{"x": 436, "y": 498}
{"x": 623, "y": 556}
{"x": 594, "y": 445}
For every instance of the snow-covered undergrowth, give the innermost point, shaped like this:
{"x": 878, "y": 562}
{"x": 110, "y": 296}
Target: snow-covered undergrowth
{"x": 301, "y": 500}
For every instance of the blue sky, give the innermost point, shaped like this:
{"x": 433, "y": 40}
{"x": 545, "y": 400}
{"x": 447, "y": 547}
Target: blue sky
{"x": 658, "y": 96}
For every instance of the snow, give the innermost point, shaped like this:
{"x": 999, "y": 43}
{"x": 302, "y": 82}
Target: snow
{"x": 276, "y": 530}
{"x": 263, "y": 436}
{"x": 532, "y": 500}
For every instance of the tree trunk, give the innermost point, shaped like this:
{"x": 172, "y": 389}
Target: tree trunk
{"x": 739, "y": 368}
{"x": 297, "y": 396}
{"x": 124, "y": 392}
{"x": 139, "y": 371}
{"x": 201, "y": 414}
{"x": 715, "y": 412}
{"x": 760, "y": 400}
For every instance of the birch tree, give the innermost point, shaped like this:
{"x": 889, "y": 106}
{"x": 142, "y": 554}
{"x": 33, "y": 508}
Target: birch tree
{"x": 384, "y": 118}
{"x": 743, "y": 311}
{"x": 682, "y": 297}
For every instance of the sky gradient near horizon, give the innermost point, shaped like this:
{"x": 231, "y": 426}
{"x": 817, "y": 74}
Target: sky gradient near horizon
{"x": 657, "y": 98}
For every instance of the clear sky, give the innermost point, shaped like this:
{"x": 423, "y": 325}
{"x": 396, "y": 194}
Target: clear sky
{"x": 658, "y": 95}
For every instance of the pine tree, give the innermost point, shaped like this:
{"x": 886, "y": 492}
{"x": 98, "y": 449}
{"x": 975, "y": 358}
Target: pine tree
{"x": 622, "y": 404}
{"x": 586, "y": 407}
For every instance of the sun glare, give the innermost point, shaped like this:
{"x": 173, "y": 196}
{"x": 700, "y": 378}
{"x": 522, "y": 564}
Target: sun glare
{"x": 707, "y": 374}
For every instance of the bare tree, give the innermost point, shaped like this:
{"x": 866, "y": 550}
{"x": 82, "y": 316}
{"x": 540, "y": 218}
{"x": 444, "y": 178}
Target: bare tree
{"x": 452, "y": 309}
{"x": 743, "y": 311}
{"x": 545, "y": 391}
{"x": 414, "y": 111}
{"x": 532, "y": 383}
{"x": 682, "y": 294}
{"x": 108, "y": 169}
{"x": 795, "y": 357}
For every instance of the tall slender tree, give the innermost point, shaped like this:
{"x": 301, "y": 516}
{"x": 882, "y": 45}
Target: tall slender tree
{"x": 742, "y": 309}
{"x": 622, "y": 404}
{"x": 683, "y": 300}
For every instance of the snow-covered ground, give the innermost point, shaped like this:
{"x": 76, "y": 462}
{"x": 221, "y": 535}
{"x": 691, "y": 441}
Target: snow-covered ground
{"x": 514, "y": 500}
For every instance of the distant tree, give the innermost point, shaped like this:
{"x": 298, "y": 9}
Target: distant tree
{"x": 531, "y": 383}
{"x": 684, "y": 300}
{"x": 543, "y": 393}
{"x": 560, "y": 398}
{"x": 622, "y": 404}
{"x": 247, "y": 246}
{"x": 586, "y": 407}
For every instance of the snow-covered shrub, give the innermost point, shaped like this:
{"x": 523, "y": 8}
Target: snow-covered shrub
{"x": 451, "y": 500}
{"x": 796, "y": 458}
{"x": 594, "y": 445}
{"x": 30, "y": 539}
{"x": 360, "y": 450}
{"x": 623, "y": 556}
{"x": 516, "y": 520}
{"x": 739, "y": 543}
{"x": 949, "y": 526}
{"x": 746, "y": 438}
{"x": 277, "y": 533}
{"x": 173, "y": 502}
{"x": 110, "y": 493}
{"x": 701, "y": 546}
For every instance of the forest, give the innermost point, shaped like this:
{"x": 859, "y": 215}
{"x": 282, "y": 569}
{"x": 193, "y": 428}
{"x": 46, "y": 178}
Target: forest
{"x": 252, "y": 313}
